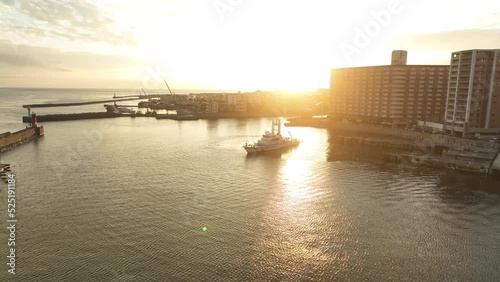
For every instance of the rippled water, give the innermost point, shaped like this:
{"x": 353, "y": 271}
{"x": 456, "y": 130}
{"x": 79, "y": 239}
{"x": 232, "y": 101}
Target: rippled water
{"x": 127, "y": 199}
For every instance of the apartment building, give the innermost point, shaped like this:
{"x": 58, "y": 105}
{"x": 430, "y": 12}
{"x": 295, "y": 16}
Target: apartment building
{"x": 237, "y": 102}
{"x": 212, "y": 106}
{"x": 397, "y": 94}
{"x": 473, "y": 98}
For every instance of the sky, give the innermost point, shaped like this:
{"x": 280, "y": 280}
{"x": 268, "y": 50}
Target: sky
{"x": 228, "y": 44}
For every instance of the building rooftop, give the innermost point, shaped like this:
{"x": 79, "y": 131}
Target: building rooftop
{"x": 391, "y": 66}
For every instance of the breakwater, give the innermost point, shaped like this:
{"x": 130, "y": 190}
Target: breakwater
{"x": 99, "y": 115}
{"x": 10, "y": 140}
{"x": 76, "y": 116}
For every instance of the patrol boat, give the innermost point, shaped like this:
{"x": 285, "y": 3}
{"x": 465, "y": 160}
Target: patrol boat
{"x": 272, "y": 140}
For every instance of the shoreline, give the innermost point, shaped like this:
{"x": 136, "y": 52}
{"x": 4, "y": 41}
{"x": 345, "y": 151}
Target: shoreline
{"x": 433, "y": 150}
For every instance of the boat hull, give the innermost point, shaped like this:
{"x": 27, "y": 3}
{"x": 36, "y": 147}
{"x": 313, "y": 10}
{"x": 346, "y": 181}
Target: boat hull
{"x": 259, "y": 149}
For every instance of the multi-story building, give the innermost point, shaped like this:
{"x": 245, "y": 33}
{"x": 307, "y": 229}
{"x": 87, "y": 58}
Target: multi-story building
{"x": 397, "y": 94}
{"x": 231, "y": 99}
{"x": 212, "y": 106}
{"x": 473, "y": 101}
{"x": 254, "y": 98}
{"x": 237, "y": 102}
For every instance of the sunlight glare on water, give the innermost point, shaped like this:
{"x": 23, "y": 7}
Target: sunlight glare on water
{"x": 166, "y": 200}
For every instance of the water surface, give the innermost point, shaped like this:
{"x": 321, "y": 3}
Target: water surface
{"x": 127, "y": 199}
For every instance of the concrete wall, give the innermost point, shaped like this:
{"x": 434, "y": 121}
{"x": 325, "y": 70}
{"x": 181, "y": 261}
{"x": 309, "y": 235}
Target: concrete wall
{"x": 17, "y": 137}
{"x": 420, "y": 137}
{"x": 438, "y": 126}
{"x": 496, "y": 162}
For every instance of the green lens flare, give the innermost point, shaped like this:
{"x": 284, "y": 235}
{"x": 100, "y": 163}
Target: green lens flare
{"x": 204, "y": 228}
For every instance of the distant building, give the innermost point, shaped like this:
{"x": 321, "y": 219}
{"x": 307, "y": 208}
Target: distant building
{"x": 473, "y": 104}
{"x": 397, "y": 94}
{"x": 399, "y": 57}
{"x": 254, "y": 98}
{"x": 237, "y": 102}
{"x": 231, "y": 99}
{"x": 212, "y": 107}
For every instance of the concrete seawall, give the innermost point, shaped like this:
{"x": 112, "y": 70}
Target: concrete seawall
{"x": 435, "y": 150}
{"x": 9, "y": 140}
{"x": 76, "y": 116}
{"x": 416, "y": 137}
{"x": 455, "y": 153}
{"x": 236, "y": 115}
{"x": 399, "y": 135}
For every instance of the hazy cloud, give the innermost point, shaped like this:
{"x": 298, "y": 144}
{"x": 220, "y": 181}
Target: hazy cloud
{"x": 74, "y": 20}
{"x": 9, "y": 2}
{"x": 25, "y": 65}
{"x": 457, "y": 39}
{"x": 16, "y": 60}
{"x": 33, "y": 56}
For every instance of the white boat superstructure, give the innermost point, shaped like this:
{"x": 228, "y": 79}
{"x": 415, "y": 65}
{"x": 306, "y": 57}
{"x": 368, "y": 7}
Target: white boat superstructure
{"x": 272, "y": 140}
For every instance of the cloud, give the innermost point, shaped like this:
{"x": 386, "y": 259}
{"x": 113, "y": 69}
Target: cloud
{"x": 16, "y": 60}
{"x": 34, "y": 56}
{"x": 457, "y": 39}
{"x": 73, "y": 20}
{"x": 32, "y": 66}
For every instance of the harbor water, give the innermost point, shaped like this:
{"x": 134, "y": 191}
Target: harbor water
{"x": 160, "y": 200}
